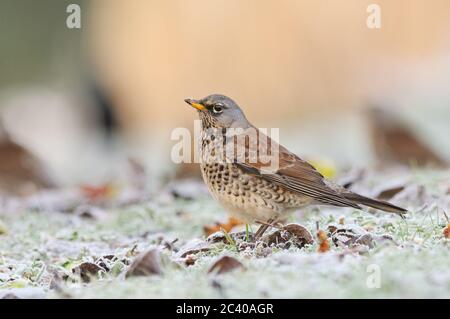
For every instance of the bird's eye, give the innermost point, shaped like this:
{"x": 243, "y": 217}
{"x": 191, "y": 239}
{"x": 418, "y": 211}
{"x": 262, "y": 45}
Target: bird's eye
{"x": 217, "y": 108}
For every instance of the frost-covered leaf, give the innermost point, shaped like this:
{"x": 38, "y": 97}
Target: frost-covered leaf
{"x": 349, "y": 235}
{"x": 87, "y": 271}
{"x": 225, "y": 264}
{"x": 193, "y": 247}
{"x": 147, "y": 263}
{"x": 290, "y": 233}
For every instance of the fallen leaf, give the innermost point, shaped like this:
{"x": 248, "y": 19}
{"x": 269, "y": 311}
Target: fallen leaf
{"x": 225, "y": 264}
{"x": 109, "y": 261}
{"x": 324, "y": 245}
{"x": 193, "y": 247}
{"x": 228, "y": 226}
{"x": 21, "y": 172}
{"x": 294, "y": 233}
{"x": 87, "y": 271}
{"x": 446, "y": 231}
{"x": 366, "y": 240}
{"x": 394, "y": 141}
{"x": 146, "y": 264}
{"x": 390, "y": 192}
{"x": 217, "y": 237}
{"x": 391, "y": 187}
{"x": 190, "y": 260}
{"x": 350, "y": 234}
{"x": 95, "y": 193}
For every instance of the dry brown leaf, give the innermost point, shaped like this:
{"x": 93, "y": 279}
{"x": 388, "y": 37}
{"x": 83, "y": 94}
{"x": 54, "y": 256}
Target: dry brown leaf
{"x": 87, "y": 271}
{"x": 21, "y": 172}
{"x": 146, "y": 264}
{"x": 324, "y": 244}
{"x": 225, "y": 264}
{"x": 295, "y": 233}
{"x": 228, "y": 226}
{"x": 95, "y": 193}
{"x": 190, "y": 260}
{"x": 388, "y": 193}
{"x": 394, "y": 141}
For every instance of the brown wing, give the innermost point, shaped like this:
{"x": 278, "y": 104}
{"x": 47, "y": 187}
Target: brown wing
{"x": 292, "y": 173}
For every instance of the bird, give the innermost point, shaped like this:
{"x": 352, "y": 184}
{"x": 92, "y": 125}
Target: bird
{"x": 250, "y": 187}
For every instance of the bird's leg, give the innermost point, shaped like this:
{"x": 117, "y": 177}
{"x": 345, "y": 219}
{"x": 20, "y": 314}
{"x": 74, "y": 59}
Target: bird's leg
{"x": 261, "y": 230}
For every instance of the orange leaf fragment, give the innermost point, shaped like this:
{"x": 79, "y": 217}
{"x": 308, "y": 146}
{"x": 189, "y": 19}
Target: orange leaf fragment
{"x": 97, "y": 192}
{"x": 324, "y": 244}
{"x": 446, "y": 231}
{"x": 228, "y": 226}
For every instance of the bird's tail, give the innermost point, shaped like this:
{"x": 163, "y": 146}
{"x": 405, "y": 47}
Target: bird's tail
{"x": 378, "y": 204}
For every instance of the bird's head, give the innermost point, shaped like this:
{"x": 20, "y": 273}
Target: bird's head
{"x": 219, "y": 111}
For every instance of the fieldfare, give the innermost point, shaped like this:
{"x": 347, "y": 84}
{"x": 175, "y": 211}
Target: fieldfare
{"x": 256, "y": 179}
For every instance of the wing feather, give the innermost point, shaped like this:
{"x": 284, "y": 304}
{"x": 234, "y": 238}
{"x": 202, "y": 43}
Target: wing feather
{"x": 293, "y": 173}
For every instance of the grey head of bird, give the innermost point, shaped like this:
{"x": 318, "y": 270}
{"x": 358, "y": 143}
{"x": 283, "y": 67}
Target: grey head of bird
{"x": 219, "y": 111}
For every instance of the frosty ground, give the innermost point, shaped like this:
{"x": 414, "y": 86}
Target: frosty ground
{"x": 86, "y": 249}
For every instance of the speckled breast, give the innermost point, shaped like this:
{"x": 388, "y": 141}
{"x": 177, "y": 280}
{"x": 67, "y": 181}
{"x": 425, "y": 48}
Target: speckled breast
{"x": 245, "y": 196}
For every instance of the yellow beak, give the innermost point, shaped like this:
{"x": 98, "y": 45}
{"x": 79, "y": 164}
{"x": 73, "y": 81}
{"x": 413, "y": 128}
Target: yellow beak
{"x": 195, "y": 104}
